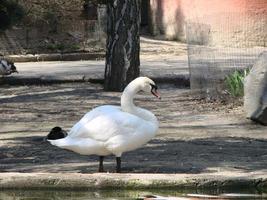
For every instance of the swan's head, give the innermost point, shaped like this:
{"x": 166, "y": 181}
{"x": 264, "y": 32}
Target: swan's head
{"x": 56, "y": 133}
{"x": 147, "y": 85}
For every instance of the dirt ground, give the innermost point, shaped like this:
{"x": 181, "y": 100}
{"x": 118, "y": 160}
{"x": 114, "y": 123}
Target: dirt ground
{"x": 194, "y": 136}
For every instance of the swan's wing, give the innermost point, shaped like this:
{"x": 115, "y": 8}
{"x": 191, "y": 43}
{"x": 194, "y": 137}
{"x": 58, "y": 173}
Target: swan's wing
{"x": 103, "y": 127}
{"x": 101, "y": 110}
{"x": 136, "y": 133}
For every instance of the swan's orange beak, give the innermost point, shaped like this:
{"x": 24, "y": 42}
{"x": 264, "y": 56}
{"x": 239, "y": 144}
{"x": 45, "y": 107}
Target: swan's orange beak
{"x": 154, "y": 91}
{"x": 156, "y": 94}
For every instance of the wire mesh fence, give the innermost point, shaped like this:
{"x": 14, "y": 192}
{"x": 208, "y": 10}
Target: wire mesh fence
{"x": 220, "y": 44}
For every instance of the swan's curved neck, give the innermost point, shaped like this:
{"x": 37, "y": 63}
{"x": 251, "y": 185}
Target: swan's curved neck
{"x": 127, "y": 104}
{"x": 127, "y": 97}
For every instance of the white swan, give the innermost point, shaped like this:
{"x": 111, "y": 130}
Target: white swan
{"x": 113, "y": 130}
{"x": 7, "y": 67}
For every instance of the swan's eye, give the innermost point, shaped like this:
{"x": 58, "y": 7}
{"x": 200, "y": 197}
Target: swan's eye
{"x": 153, "y": 87}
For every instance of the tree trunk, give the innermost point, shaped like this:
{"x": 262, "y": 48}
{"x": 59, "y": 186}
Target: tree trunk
{"x": 123, "y": 43}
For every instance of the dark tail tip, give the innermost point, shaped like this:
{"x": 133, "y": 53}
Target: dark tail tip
{"x": 56, "y": 133}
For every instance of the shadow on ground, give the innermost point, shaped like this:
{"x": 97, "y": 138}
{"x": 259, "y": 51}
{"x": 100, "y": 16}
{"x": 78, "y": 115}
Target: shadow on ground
{"x": 33, "y": 154}
{"x": 29, "y": 112}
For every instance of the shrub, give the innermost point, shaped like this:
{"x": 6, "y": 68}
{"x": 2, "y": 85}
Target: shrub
{"x": 62, "y": 47}
{"x": 235, "y": 82}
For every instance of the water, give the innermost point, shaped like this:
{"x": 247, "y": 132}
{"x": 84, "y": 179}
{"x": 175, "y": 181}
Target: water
{"x": 123, "y": 194}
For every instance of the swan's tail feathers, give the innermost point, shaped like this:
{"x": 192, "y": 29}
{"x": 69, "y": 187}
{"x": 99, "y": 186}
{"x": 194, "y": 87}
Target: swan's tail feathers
{"x": 59, "y": 143}
{"x": 56, "y": 133}
{"x": 84, "y": 146}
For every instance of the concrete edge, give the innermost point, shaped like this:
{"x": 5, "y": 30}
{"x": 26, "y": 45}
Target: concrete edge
{"x": 56, "y": 57}
{"x": 181, "y": 81}
{"x": 44, "y": 81}
{"x": 76, "y": 181}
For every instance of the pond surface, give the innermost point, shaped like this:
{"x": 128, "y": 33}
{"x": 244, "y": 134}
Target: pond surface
{"x": 125, "y": 194}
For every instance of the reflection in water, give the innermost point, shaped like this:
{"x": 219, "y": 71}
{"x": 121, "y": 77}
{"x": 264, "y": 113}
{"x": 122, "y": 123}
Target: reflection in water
{"x": 121, "y": 194}
{"x": 66, "y": 195}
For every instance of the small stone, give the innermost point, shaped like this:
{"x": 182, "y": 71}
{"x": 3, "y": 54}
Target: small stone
{"x": 9, "y": 155}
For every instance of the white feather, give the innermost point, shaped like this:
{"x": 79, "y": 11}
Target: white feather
{"x": 5, "y": 67}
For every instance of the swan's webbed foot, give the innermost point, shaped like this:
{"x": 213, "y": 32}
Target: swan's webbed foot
{"x": 101, "y": 166}
{"x": 118, "y": 167}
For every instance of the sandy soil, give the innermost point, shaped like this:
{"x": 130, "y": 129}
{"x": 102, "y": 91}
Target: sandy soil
{"x": 194, "y": 136}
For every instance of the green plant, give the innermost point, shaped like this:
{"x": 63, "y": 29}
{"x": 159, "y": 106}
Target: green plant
{"x": 62, "y": 47}
{"x": 55, "y": 47}
{"x": 235, "y": 82}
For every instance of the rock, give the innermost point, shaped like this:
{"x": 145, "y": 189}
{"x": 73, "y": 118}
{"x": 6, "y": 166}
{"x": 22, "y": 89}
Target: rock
{"x": 255, "y": 89}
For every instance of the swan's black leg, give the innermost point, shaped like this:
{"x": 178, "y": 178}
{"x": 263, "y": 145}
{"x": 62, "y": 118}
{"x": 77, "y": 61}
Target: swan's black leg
{"x": 118, "y": 168}
{"x": 101, "y": 167}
